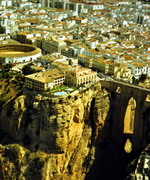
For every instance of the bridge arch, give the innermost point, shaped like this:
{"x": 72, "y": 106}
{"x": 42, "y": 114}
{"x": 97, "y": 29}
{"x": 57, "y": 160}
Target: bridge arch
{"x": 147, "y": 99}
{"x": 128, "y": 146}
{"x": 129, "y": 116}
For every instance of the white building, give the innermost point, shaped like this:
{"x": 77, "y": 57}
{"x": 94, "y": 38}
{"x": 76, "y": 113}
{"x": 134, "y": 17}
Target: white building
{"x": 17, "y": 53}
{"x": 6, "y": 3}
{"x": 44, "y": 80}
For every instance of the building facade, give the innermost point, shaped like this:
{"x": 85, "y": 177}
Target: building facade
{"x": 43, "y": 81}
{"x": 78, "y": 76}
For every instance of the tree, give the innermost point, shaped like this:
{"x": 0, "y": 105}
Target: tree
{"x": 27, "y": 70}
{"x": 7, "y": 67}
{"x": 2, "y": 30}
{"x": 142, "y": 77}
{"x": 134, "y": 80}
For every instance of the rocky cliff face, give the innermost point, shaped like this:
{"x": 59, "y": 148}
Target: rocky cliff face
{"x": 54, "y": 138}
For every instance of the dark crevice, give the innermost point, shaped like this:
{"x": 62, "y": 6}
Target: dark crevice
{"x": 146, "y": 129}
{"x": 91, "y": 117}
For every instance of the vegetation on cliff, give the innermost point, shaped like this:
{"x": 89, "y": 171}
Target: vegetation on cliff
{"x": 10, "y": 87}
{"x": 17, "y": 162}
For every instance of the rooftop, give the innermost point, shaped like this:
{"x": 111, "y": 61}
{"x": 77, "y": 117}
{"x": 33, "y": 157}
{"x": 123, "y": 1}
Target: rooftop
{"x": 46, "y": 76}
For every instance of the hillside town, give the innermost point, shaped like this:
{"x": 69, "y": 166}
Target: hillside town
{"x": 80, "y": 41}
{"x": 75, "y": 87}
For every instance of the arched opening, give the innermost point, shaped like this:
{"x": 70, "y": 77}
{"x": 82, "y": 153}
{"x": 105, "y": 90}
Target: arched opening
{"x": 147, "y": 99}
{"x": 129, "y": 116}
{"x": 128, "y": 146}
{"x": 118, "y": 90}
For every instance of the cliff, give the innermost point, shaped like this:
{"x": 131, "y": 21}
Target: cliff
{"x": 9, "y": 87}
{"x": 52, "y": 138}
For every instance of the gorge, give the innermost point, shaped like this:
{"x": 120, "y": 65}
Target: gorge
{"x": 71, "y": 137}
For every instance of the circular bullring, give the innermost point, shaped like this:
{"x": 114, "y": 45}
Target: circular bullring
{"x": 18, "y": 52}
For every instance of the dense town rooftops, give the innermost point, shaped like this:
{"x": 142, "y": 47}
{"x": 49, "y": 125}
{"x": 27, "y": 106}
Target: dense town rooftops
{"x": 8, "y": 41}
{"x": 61, "y": 66}
{"x": 118, "y": 35}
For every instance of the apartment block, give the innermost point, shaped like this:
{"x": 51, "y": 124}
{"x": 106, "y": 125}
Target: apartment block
{"x": 43, "y": 81}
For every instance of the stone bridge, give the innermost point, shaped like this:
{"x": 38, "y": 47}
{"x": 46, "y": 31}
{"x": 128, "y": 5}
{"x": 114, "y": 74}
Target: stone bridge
{"x": 129, "y": 112}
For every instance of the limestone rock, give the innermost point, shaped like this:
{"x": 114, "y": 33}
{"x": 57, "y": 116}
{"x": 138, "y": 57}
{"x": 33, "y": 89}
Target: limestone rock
{"x": 56, "y": 136}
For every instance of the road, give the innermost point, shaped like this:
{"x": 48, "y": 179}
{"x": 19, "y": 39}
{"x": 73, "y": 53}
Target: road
{"x": 125, "y": 84}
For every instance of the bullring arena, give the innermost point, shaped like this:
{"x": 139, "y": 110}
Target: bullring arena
{"x": 17, "y": 53}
